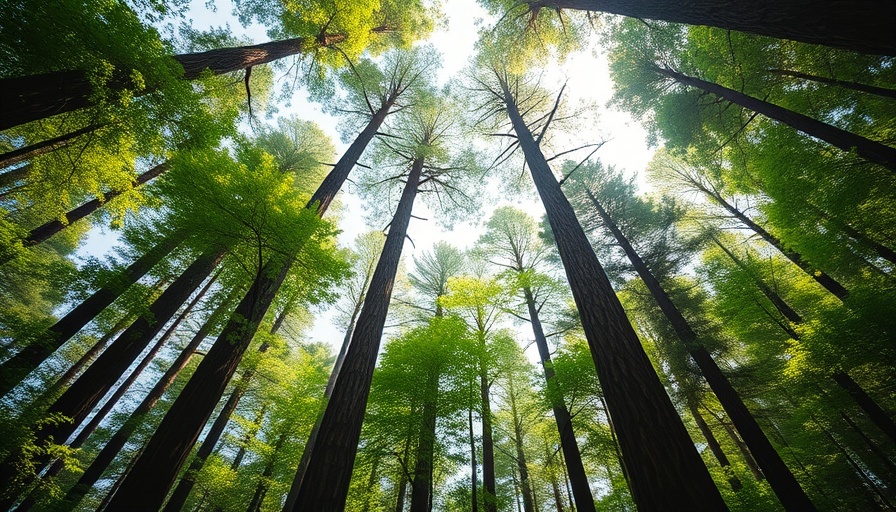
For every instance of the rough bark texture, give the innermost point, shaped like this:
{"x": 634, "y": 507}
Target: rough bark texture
{"x": 865, "y": 26}
{"x": 846, "y": 84}
{"x": 778, "y": 474}
{"x": 14, "y": 369}
{"x": 578, "y": 479}
{"x": 847, "y": 141}
{"x": 664, "y": 469}
{"x": 29, "y": 98}
{"x": 41, "y": 148}
{"x": 325, "y": 484}
{"x": 121, "y": 436}
{"x": 872, "y": 409}
{"x": 45, "y": 231}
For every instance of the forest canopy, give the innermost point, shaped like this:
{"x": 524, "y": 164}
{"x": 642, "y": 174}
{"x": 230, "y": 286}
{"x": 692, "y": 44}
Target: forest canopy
{"x": 486, "y": 255}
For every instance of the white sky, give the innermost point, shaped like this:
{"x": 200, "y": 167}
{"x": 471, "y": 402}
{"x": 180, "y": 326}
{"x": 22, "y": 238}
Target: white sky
{"x": 587, "y": 79}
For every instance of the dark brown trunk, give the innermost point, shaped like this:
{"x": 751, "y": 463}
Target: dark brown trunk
{"x": 123, "y": 388}
{"x": 847, "y": 141}
{"x": 770, "y": 294}
{"x": 873, "y": 447}
{"x": 123, "y": 434}
{"x": 744, "y": 451}
{"x": 41, "y": 148}
{"x": 421, "y": 487}
{"x": 43, "y": 232}
{"x": 881, "y": 250}
{"x": 402, "y": 491}
{"x": 371, "y": 483}
{"x": 829, "y": 283}
{"x": 14, "y": 369}
{"x": 578, "y": 479}
{"x": 715, "y": 447}
{"x": 846, "y": 84}
{"x": 262, "y": 489}
{"x": 778, "y": 474}
{"x": 474, "y": 479}
{"x": 325, "y": 483}
{"x": 874, "y": 411}
{"x": 865, "y": 26}
{"x": 664, "y": 469}
{"x": 522, "y": 467}
{"x": 29, "y": 98}
{"x": 79, "y": 399}
{"x": 489, "y": 497}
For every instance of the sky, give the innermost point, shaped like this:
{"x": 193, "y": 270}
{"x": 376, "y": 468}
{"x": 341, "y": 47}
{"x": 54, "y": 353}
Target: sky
{"x": 587, "y": 79}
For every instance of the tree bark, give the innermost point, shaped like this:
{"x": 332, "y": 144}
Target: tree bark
{"x": 489, "y": 496}
{"x": 665, "y": 471}
{"x": 421, "y": 487}
{"x": 110, "y": 404}
{"x": 847, "y": 141}
{"x": 744, "y": 451}
{"x": 474, "y": 480}
{"x": 29, "y": 98}
{"x": 47, "y": 146}
{"x": 874, "y": 411}
{"x": 846, "y": 84}
{"x": 521, "y": 465}
{"x": 105, "y": 457}
{"x": 79, "y": 399}
{"x": 777, "y": 473}
{"x": 715, "y": 447}
{"x": 43, "y": 232}
{"x": 579, "y": 480}
{"x": 16, "y": 368}
{"x": 864, "y": 26}
{"x": 325, "y": 484}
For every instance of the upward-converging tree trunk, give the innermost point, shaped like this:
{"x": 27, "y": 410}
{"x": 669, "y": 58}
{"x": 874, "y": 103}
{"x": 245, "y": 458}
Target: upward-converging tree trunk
{"x": 865, "y": 26}
{"x": 847, "y": 141}
{"x": 157, "y": 468}
{"x": 664, "y": 469}
{"x": 14, "y": 369}
{"x": 846, "y": 84}
{"x": 29, "y": 98}
{"x": 421, "y": 486}
{"x": 43, "y": 232}
{"x": 581, "y": 489}
{"x": 714, "y": 446}
{"x": 325, "y": 483}
{"x": 489, "y": 494}
{"x": 43, "y": 147}
{"x": 871, "y": 408}
{"x": 522, "y": 466}
{"x": 779, "y": 476}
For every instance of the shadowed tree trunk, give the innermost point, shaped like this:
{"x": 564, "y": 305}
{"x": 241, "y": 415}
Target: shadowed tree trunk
{"x": 522, "y": 467}
{"x": 846, "y": 84}
{"x": 578, "y": 479}
{"x": 744, "y": 451}
{"x": 421, "y": 487}
{"x": 79, "y": 399}
{"x": 262, "y": 489}
{"x": 663, "y": 467}
{"x": 93, "y": 472}
{"x": 847, "y": 141}
{"x": 9, "y": 178}
{"x": 474, "y": 488}
{"x": 14, "y": 369}
{"x": 47, "y": 146}
{"x": 123, "y": 388}
{"x": 325, "y": 483}
{"x": 489, "y": 495}
{"x": 872, "y": 409}
{"x": 43, "y": 232}
{"x": 29, "y": 98}
{"x": 776, "y": 472}
{"x": 864, "y": 26}
{"x": 715, "y": 447}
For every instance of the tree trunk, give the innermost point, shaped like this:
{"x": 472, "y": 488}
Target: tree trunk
{"x": 79, "y": 399}
{"x": 778, "y": 474}
{"x": 744, "y": 451}
{"x": 489, "y": 496}
{"x": 43, "y": 232}
{"x": 579, "y": 480}
{"x": 847, "y": 141}
{"x": 325, "y": 484}
{"x": 115, "y": 444}
{"x": 662, "y": 463}
{"x": 523, "y": 468}
{"x": 16, "y": 368}
{"x": 474, "y": 484}
{"x": 864, "y": 26}
{"x": 874, "y": 448}
{"x": 829, "y": 283}
{"x": 110, "y": 404}
{"x": 9, "y": 178}
{"x": 874, "y": 411}
{"x": 715, "y": 447}
{"x": 846, "y": 84}
{"x": 47, "y": 146}
{"x": 29, "y": 98}
{"x": 262, "y": 489}
{"x": 421, "y": 487}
